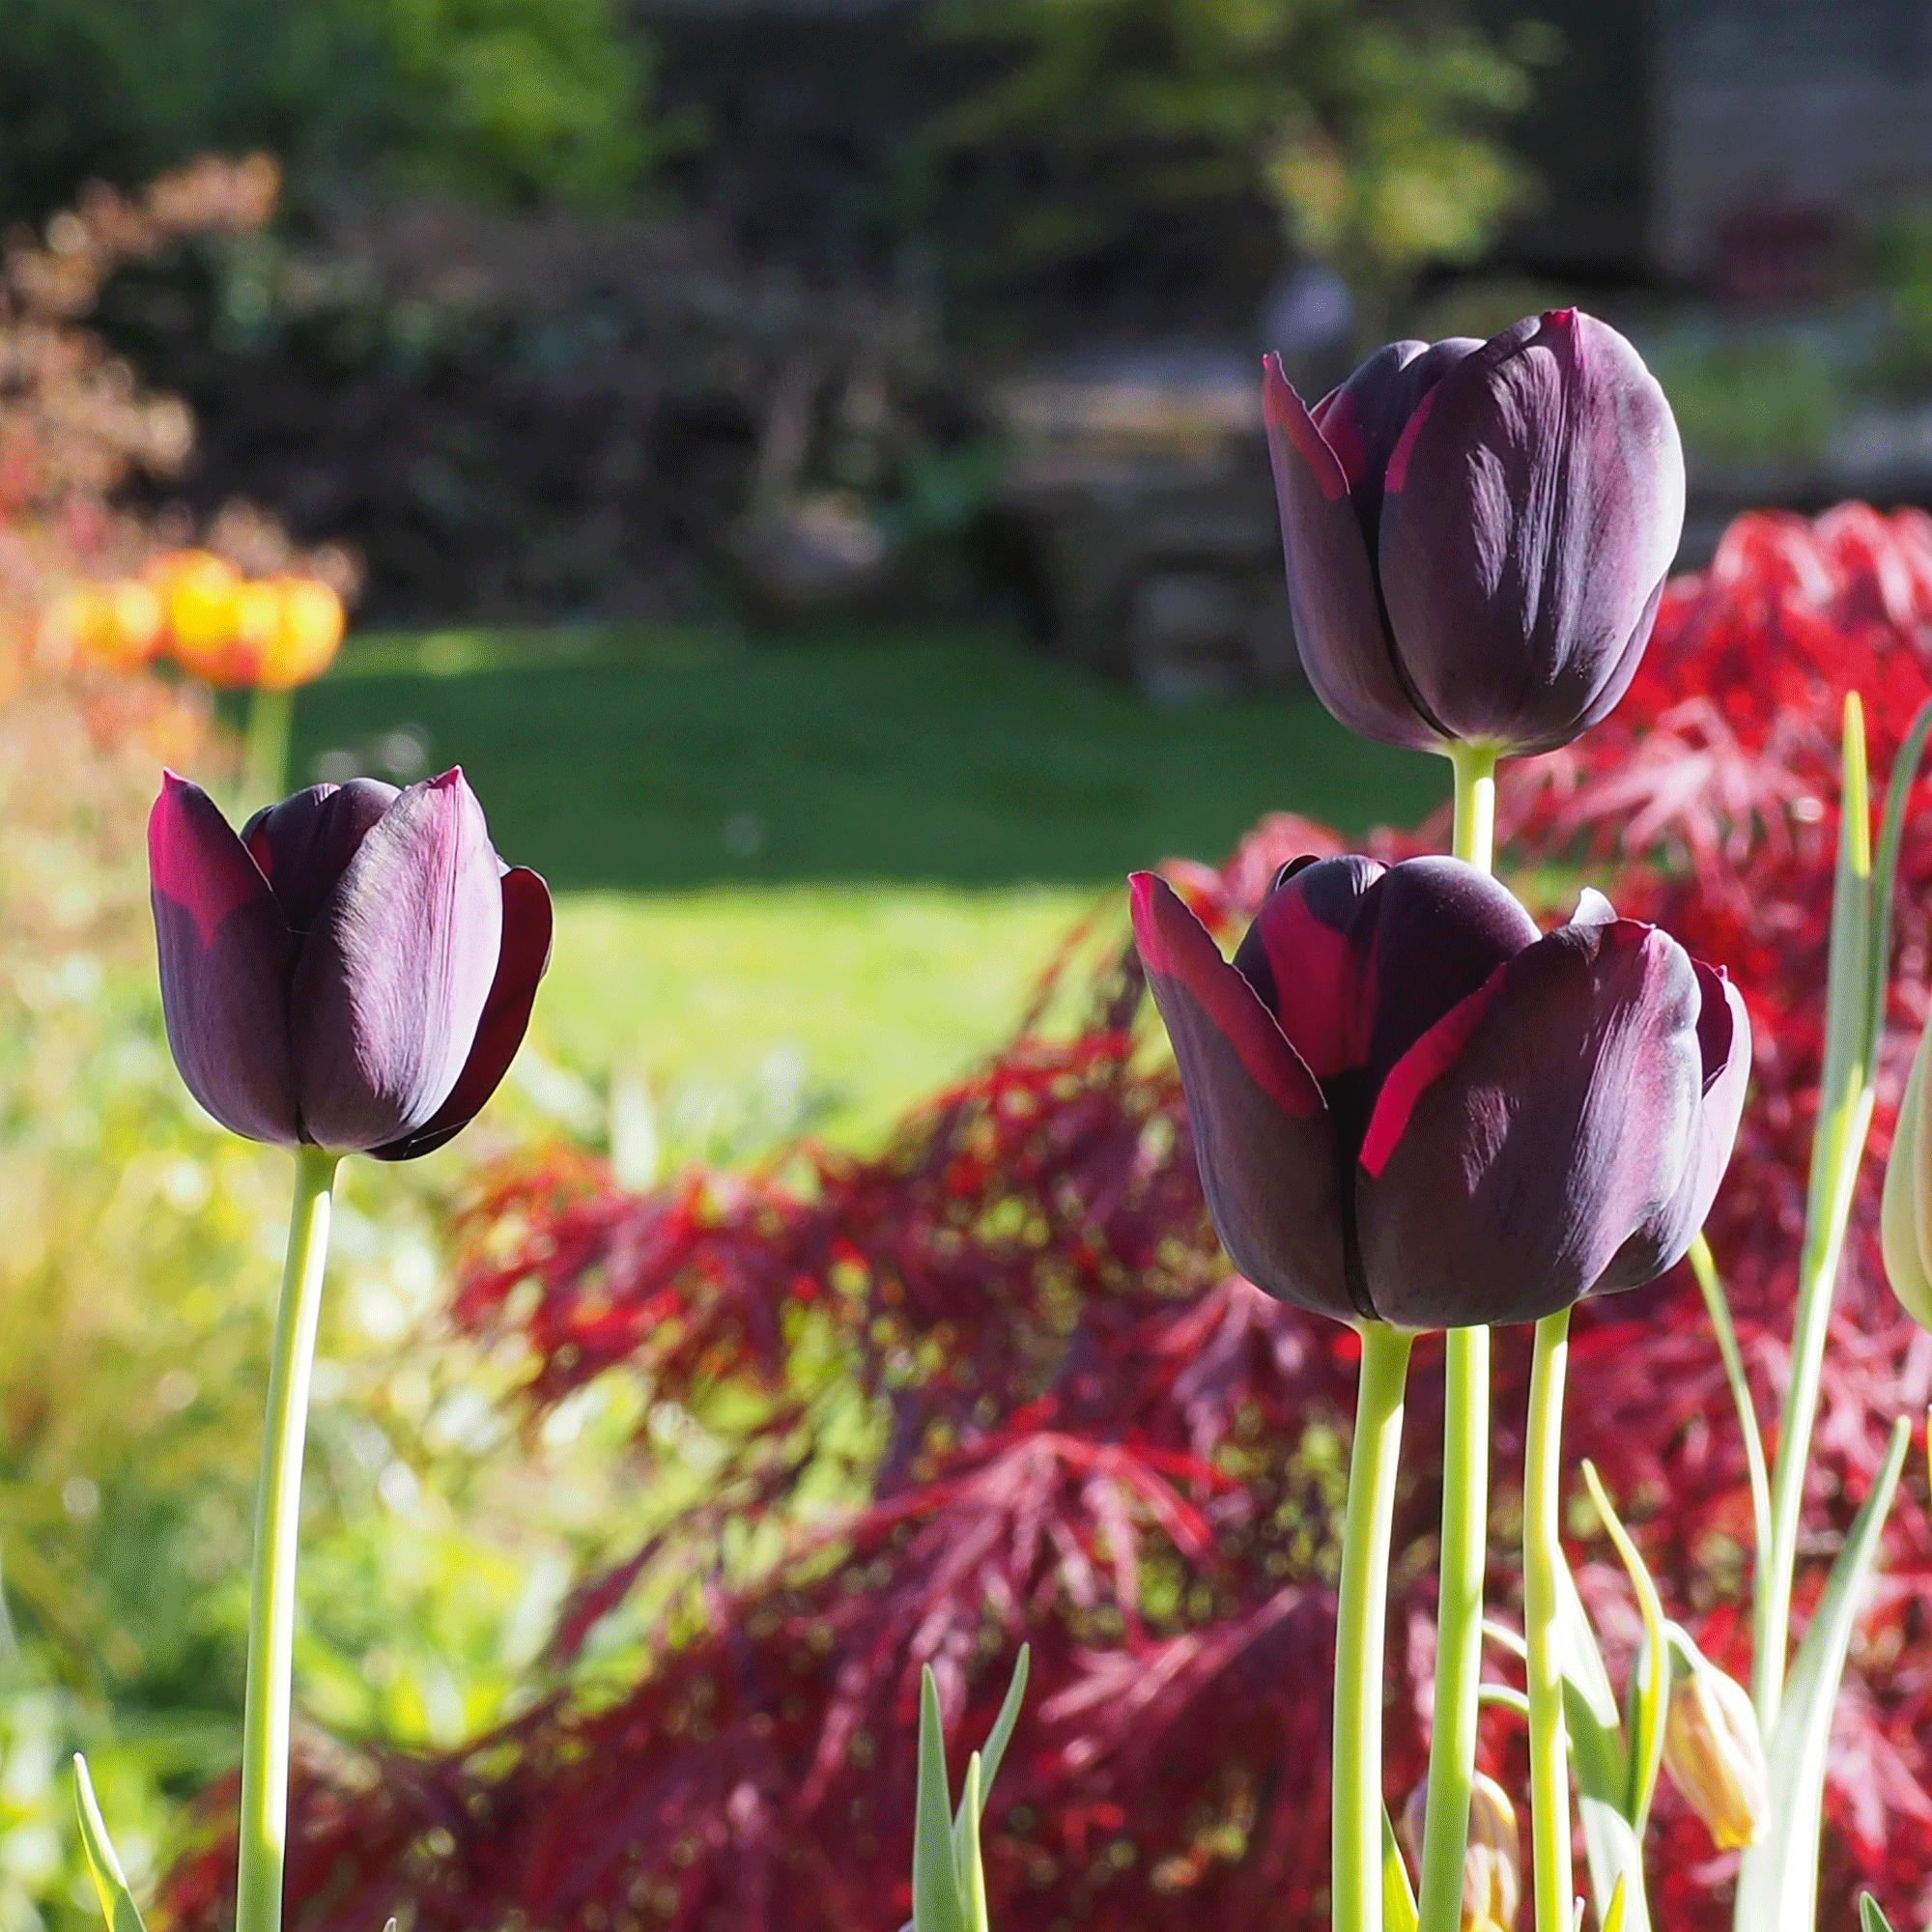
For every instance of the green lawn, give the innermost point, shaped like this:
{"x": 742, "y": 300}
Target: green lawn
{"x": 738, "y": 1018}
{"x": 803, "y": 884}
{"x": 655, "y": 760}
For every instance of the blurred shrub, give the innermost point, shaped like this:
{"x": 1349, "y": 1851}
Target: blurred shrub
{"x": 1370, "y": 130}
{"x": 1752, "y": 400}
{"x": 514, "y": 99}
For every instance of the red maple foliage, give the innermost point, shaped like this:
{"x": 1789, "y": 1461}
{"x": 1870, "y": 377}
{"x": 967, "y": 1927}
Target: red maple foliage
{"x": 1085, "y": 1435}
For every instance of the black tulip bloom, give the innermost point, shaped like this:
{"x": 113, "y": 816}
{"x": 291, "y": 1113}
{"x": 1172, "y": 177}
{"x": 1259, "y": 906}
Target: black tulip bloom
{"x": 1477, "y": 533}
{"x": 1409, "y": 1106}
{"x": 355, "y": 971}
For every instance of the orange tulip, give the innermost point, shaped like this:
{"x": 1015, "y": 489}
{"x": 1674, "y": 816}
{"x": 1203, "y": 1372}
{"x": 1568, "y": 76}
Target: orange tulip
{"x": 307, "y": 631}
{"x": 200, "y": 592}
{"x": 114, "y": 624}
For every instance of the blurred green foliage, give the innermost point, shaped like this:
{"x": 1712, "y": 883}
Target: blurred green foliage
{"x": 1768, "y": 398}
{"x": 512, "y": 100}
{"x": 1371, "y": 128}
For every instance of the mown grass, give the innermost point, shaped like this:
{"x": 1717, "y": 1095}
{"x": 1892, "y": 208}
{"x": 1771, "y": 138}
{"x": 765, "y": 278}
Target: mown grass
{"x": 803, "y": 884}
{"x": 647, "y": 761}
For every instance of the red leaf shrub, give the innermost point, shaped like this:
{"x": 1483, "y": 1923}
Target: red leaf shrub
{"x": 1088, "y": 1437}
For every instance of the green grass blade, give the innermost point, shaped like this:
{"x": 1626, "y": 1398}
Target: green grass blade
{"x": 936, "y": 1905}
{"x": 1777, "y": 1881}
{"x": 1650, "y": 1677}
{"x": 117, "y": 1902}
{"x": 1398, "y": 1914}
{"x": 1870, "y": 1918}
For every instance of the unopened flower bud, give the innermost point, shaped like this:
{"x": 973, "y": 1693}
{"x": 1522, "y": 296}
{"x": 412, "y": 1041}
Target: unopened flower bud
{"x": 1492, "y": 1863}
{"x": 1712, "y": 1751}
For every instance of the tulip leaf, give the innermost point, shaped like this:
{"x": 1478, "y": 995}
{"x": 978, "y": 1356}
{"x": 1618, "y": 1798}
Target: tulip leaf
{"x": 1898, "y": 795}
{"x": 1613, "y": 1913}
{"x": 936, "y": 1905}
{"x": 1777, "y": 1881}
{"x": 1870, "y": 1918}
{"x": 110, "y": 1882}
{"x": 1649, "y": 1700}
{"x": 1601, "y": 1762}
{"x": 1398, "y": 1914}
{"x": 967, "y": 1868}
{"x": 1001, "y": 1735}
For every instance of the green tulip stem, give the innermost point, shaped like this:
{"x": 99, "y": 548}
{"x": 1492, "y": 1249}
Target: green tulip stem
{"x": 1465, "y": 1497}
{"x": 262, "y": 1833}
{"x": 265, "y": 749}
{"x": 1458, "y": 1626}
{"x": 1474, "y": 839}
{"x": 1361, "y": 1615}
{"x": 1542, "y": 1557}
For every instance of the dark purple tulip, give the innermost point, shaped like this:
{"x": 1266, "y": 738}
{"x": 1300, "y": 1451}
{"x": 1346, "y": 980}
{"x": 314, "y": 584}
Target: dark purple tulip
{"x": 1409, "y": 1107}
{"x": 1477, "y": 533}
{"x": 355, "y": 971}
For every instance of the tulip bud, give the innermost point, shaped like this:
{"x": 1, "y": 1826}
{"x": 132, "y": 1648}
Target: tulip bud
{"x": 1477, "y": 533}
{"x": 1492, "y": 1863}
{"x": 1712, "y": 1748}
{"x": 355, "y": 971}
{"x": 1905, "y": 1213}
{"x": 1409, "y": 1106}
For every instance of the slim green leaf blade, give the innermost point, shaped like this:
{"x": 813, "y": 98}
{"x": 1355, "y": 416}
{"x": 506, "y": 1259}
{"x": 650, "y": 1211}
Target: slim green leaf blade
{"x": 1777, "y": 1881}
{"x": 1601, "y": 1765}
{"x": 936, "y": 1905}
{"x": 1885, "y": 868}
{"x": 1613, "y": 1913}
{"x": 1002, "y": 1733}
{"x": 1870, "y": 1918}
{"x": 1399, "y": 1912}
{"x": 967, "y": 1868}
{"x": 1650, "y": 1681}
{"x": 110, "y": 1882}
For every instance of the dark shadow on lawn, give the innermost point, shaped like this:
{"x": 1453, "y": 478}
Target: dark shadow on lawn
{"x": 656, "y": 760}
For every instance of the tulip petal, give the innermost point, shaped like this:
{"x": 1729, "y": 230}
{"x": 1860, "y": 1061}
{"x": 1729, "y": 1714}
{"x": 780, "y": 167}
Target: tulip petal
{"x": 1442, "y": 927}
{"x": 506, "y": 1016}
{"x": 1527, "y": 521}
{"x": 1725, "y": 1052}
{"x": 226, "y": 955}
{"x": 1533, "y": 1146}
{"x": 1309, "y": 962}
{"x": 394, "y": 976}
{"x": 1261, "y": 1133}
{"x": 1339, "y": 628}
{"x": 303, "y": 845}
{"x": 1363, "y": 420}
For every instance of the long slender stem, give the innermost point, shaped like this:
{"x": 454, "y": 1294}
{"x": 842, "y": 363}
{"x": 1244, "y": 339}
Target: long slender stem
{"x": 1705, "y": 1268}
{"x": 1360, "y": 1613}
{"x": 1542, "y": 1552}
{"x": 1465, "y": 1498}
{"x": 265, "y": 747}
{"x": 271, "y": 1609}
{"x": 1458, "y": 1626}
